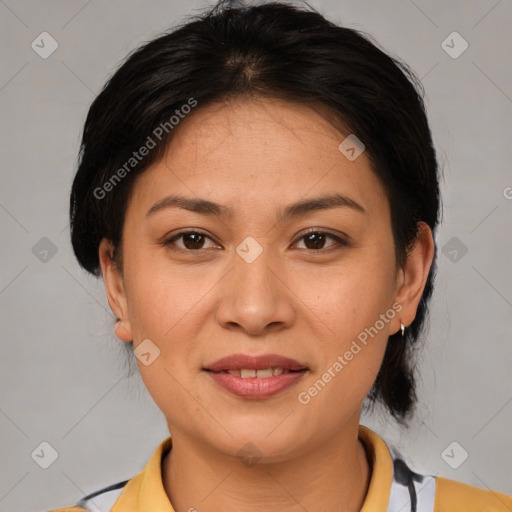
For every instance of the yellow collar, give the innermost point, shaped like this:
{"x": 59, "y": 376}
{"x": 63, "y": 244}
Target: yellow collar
{"x": 381, "y": 465}
{"x": 146, "y": 491}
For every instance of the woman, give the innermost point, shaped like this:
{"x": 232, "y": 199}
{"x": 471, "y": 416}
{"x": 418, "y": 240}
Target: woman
{"x": 259, "y": 191}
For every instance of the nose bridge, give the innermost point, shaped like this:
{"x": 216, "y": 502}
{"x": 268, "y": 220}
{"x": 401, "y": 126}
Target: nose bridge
{"x": 253, "y": 275}
{"x": 254, "y": 296}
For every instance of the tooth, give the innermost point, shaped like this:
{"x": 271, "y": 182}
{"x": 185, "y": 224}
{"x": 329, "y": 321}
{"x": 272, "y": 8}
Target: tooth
{"x": 249, "y": 373}
{"x": 264, "y": 373}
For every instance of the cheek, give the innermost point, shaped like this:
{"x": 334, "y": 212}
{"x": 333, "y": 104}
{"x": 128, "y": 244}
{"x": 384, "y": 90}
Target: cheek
{"x": 353, "y": 309}
{"x": 170, "y": 309}
{"x": 348, "y": 360}
{"x": 165, "y": 300}
{"x": 336, "y": 395}
{"x": 345, "y": 299}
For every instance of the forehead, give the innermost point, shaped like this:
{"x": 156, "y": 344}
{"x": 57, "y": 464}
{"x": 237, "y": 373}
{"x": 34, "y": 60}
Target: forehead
{"x": 259, "y": 152}
{"x": 267, "y": 122}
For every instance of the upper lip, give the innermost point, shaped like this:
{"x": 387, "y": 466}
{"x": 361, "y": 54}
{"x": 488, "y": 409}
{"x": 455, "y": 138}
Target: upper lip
{"x": 253, "y": 362}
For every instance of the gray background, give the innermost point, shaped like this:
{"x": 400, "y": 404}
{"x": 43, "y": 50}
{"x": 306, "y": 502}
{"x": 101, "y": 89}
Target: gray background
{"x": 62, "y": 370}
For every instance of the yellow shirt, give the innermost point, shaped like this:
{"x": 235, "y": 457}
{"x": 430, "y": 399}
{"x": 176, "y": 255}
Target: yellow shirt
{"x": 393, "y": 488}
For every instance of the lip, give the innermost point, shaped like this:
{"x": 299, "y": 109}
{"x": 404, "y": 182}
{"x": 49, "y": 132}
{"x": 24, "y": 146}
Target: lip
{"x": 240, "y": 361}
{"x": 255, "y": 388}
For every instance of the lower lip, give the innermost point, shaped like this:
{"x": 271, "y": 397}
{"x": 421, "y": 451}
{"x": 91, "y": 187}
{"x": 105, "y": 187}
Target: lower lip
{"x": 256, "y": 388}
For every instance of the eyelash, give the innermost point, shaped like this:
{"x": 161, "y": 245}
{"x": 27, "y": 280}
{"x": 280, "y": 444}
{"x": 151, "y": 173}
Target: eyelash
{"x": 340, "y": 242}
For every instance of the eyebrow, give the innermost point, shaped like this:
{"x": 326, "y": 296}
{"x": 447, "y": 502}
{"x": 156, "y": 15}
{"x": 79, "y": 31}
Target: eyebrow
{"x": 299, "y": 208}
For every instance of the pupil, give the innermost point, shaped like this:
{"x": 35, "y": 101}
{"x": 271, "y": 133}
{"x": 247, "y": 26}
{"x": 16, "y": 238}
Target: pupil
{"x": 320, "y": 239}
{"x": 194, "y": 245}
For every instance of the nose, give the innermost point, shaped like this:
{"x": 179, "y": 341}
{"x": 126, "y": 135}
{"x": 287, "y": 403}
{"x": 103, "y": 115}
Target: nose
{"x": 255, "y": 297}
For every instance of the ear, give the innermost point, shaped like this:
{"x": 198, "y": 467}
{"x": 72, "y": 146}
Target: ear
{"x": 114, "y": 286}
{"x": 412, "y": 277}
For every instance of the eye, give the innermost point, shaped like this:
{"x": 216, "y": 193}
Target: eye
{"x": 191, "y": 240}
{"x": 315, "y": 240}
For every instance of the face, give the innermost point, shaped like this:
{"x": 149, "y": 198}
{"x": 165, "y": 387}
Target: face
{"x": 251, "y": 275}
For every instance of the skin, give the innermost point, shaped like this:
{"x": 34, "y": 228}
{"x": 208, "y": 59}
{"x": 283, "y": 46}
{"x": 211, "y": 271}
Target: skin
{"x": 301, "y": 300}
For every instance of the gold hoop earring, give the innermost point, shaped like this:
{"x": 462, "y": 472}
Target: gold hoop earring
{"x": 402, "y": 328}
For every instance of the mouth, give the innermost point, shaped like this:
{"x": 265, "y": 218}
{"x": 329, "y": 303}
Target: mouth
{"x": 251, "y": 366}
{"x": 251, "y": 373}
{"x": 256, "y": 377}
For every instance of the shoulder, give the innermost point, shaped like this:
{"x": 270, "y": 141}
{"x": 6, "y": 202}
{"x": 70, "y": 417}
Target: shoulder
{"x": 453, "y": 496}
{"x": 69, "y": 509}
{"x": 103, "y": 499}
{"x": 411, "y": 491}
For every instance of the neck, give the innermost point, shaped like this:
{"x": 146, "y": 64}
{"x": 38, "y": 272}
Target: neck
{"x": 335, "y": 475}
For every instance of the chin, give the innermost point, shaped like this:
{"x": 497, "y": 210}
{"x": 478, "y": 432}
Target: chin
{"x": 261, "y": 442}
